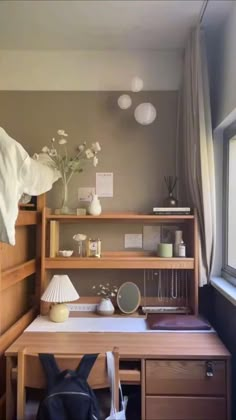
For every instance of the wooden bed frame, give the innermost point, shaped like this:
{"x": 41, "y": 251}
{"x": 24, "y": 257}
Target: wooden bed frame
{"x": 19, "y": 282}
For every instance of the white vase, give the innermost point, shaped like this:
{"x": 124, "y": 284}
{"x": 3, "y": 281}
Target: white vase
{"x": 105, "y": 307}
{"x": 94, "y": 207}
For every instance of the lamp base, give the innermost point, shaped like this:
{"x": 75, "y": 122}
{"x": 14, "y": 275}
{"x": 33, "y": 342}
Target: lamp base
{"x": 59, "y": 312}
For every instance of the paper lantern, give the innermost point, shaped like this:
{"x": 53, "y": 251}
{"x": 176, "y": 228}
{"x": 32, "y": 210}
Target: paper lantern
{"x": 136, "y": 84}
{"x": 124, "y": 101}
{"x": 145, "y": 113}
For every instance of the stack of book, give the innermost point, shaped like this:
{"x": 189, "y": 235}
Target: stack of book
{"x": 172, "y": 210}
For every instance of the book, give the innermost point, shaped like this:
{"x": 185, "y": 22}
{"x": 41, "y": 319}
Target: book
{"x": 54, "y": 239}
{"x": 171, "y": 210}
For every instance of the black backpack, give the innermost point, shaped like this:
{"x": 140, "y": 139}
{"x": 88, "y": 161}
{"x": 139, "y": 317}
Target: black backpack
{"x": 69, "y": 397}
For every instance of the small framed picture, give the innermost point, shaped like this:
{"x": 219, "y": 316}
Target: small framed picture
{"x": 151, "y": 237}
{"x": 93, "y": 248}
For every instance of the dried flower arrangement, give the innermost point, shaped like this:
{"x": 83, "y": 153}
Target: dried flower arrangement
{"x": 106, "y": 291}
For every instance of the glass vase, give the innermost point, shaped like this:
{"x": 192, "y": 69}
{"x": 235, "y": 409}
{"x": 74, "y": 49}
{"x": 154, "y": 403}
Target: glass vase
{"x": 80, "y": 251}
{"x": 64, "y": 203}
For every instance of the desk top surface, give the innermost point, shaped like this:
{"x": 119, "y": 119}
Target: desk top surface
{"x": 167, "y": 345}
{"x": 96, "y": 324}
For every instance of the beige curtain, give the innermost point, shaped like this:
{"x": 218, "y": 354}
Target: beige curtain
{"x": 196, "y": 156}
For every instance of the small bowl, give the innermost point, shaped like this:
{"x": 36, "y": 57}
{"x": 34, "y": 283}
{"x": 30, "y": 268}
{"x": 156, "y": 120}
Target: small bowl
{"x": 65, "y": 253}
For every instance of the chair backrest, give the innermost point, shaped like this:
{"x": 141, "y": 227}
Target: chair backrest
{"x": 30, "y": 374}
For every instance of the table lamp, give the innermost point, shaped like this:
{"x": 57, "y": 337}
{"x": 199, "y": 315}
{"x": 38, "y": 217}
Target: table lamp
{"x": 59, "y": 290}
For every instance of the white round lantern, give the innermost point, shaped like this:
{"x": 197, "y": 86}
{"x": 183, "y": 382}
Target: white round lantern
{"x": 136, "y": 84}
{"x": 124, "y": 101}
{"x": 145, "y": 113}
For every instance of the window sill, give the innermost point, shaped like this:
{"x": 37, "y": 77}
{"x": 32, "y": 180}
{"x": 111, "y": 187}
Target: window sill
{"x": 225, "y": 288}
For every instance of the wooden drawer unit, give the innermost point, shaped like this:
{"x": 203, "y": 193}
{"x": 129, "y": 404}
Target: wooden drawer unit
{"x": 185, "y": 408}
{"x": 185, "y": 377}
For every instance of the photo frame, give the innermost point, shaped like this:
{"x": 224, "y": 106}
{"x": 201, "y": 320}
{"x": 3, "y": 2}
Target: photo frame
{"x": 151, "y": 237}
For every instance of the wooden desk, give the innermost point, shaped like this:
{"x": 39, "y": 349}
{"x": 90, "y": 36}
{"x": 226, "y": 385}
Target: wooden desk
{"x": 173, "y": 369}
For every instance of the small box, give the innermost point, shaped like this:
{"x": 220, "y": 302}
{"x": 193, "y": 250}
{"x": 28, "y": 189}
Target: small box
{"x": 81, "y": 212}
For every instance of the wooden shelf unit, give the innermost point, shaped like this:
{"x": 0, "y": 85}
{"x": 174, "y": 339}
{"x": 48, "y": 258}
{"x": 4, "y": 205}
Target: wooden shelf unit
{"x": 125, "y": 260}
{"x": 124, "y": 217}
{"x": 119, "y": 262}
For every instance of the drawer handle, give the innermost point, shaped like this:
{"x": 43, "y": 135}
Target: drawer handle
{"x": 209, "y": 369}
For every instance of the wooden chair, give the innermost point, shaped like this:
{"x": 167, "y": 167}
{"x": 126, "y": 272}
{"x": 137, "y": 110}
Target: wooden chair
{"x": 30, "y": 374}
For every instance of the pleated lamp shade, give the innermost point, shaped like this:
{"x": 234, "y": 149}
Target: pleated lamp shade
{"x": 60, "y": 289}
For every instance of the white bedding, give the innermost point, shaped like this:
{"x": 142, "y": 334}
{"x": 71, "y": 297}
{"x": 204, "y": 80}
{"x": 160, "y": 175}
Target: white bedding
{"x": 19, "y": 174}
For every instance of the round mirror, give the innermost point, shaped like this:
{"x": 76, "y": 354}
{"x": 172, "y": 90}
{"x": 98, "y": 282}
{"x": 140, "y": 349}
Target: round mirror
{"x": 128, "y": 297}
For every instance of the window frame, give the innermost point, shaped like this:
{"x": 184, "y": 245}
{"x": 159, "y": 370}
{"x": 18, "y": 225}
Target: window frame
{"x": 227, "y": 272}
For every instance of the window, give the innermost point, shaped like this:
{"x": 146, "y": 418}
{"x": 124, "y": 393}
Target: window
{"x": 229, "y": 206}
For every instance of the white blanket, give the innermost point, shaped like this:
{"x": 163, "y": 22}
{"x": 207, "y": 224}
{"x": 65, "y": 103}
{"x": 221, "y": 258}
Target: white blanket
{"x": 19, "y": 174}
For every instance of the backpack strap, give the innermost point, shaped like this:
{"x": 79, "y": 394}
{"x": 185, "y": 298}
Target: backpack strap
{"x": 86, "y": 365}
{"x": 50, "y": 368}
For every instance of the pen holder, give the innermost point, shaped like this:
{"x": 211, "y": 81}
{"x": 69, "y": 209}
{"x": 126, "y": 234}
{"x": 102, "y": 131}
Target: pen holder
{"x": 165, "y": 250}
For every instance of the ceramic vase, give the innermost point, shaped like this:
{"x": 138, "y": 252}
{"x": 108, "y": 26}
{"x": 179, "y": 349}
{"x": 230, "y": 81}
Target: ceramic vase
{"x": 105, "y": 307}
{"x": 94, "y": 207}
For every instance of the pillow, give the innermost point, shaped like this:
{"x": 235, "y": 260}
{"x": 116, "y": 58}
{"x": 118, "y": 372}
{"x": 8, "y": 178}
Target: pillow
{"x": 176, "y": 322}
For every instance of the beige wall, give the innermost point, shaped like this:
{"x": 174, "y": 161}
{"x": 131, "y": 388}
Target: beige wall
{"x": 138, "y": 156}
{"x": 79, "y": 70}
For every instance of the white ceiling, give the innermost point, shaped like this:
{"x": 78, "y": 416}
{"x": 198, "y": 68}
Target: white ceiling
{"x": 98, "y": 24}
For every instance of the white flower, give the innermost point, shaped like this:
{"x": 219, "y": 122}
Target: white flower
{"x": 62, "y": 133}
{"x": 89, "y": 153}
{"x": 96, "y": 147}
{"x": 56, "y": 156}
{"x": 79, "y": 237}
{"x": 45, "y": 149}
{"x": 81, "y": 147}
{"x": 62, "y": 141}
{"x": 95, "y": 161}
{"x": 53, "y": 152}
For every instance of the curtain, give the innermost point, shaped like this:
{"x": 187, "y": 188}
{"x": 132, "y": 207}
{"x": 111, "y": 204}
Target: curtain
{"x": 196, "y": 155}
